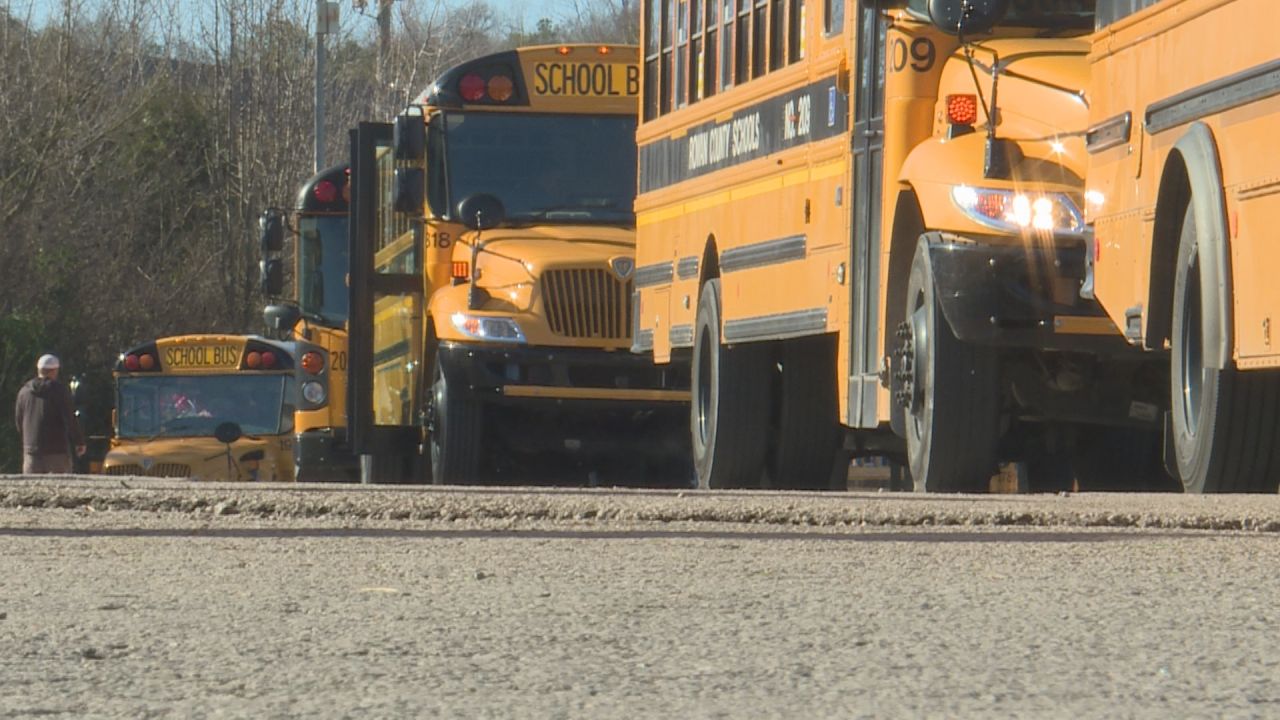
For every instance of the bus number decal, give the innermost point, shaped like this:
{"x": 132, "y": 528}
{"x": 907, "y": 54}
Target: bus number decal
{"x": 564, "y": 79}
{"x": 443, "y": 240}
{"x": 797, "y": 118}
{"x": 338, "y": 360}
{"x": 920, "y": 55}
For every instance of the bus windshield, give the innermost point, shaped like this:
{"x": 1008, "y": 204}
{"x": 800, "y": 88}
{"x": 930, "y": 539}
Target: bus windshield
{"x": 545, "y": 168}
{"x": 1044, "y": 14}
{"x": 192, "y": 406}
{"x": 322, "y": 267}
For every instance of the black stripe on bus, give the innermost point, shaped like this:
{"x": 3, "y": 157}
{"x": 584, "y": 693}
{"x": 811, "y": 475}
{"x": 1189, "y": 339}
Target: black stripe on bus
{"x": 681, "y": 335}
{"x": 791, "y": 119}
{"x": 655, "y": 274}
{"x": 687, "y": 268}
{"x": 1242, "y": 88}
{"x": 764, "y": 253}
{"x": 777, "y": 327}
{"x": 1109, "y": 133}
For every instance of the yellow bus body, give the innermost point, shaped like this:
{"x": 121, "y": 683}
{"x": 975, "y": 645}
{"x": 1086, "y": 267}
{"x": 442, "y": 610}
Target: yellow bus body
{"x": 1182, "y": 189}
{"x": 757, "y": 185}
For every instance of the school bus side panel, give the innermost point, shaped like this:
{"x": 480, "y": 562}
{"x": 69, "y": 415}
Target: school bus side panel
{"x": 1230, "y": 39}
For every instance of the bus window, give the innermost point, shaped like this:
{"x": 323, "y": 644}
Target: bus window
{"x": 759, "y": 38}
{"x": 726, "y": 46}
{"x": 795, "y": 31}
{"x": 833, "y": 17}
{"x": 709, "y": 51}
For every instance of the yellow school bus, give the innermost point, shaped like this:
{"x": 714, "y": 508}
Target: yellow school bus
{"x": 853, "y": 258}
{"x": 212, "y": 407}
{"x": 1181, "y": 185}
{"x": 491, "y": 273}
{"x": 315, "y": 312}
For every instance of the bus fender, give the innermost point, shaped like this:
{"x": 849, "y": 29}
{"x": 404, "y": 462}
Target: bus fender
{"x": 935, "y": 167}
{"x": 1199, "y": 153}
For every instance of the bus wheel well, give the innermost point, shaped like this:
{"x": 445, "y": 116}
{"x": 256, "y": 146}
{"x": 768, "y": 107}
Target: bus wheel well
{"x": 1171, "y": 204}
{"x": 709, "y": 267}
{"x": 908, "y": 226}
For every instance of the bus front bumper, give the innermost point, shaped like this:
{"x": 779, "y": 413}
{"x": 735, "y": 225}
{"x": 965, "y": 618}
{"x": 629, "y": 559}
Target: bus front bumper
{"x": 1020, "y": 296}
{"x": 324, "y": 455}
{"x": 573, "y": 376}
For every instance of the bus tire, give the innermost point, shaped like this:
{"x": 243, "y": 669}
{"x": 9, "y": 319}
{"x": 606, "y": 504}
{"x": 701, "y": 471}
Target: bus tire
{"x": 456, "y": 420}
{"x": 808, "y": 433}
{"x": 729, "y": 410}
{"x": 950, "y": 391}
{"x": 1225, "y": 423}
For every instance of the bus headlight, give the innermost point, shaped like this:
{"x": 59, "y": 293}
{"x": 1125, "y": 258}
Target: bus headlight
{"x": 313, "y": 392}
{"x": 1017, "y": 212}
{"x": 489, "y": 329}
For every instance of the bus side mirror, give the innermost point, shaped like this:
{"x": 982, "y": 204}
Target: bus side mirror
{"x": 410, "y": 191}
{"x": 281, "y": 319}
{"x": 409, "y": 138}
{"x": 967, "y": 17}
{"x": 271, "y": 227}
{"x": 271, "y": 278}
{"x": 481, "y": 211}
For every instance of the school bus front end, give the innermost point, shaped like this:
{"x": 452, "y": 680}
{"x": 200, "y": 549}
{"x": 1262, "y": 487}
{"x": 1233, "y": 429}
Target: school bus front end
{"x": 209, "y": 407}
{"x": 315, "y": 312}
{"x": 500, "y": 296}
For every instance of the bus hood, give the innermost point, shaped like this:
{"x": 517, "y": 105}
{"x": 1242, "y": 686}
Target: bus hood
{"x": 510, "y": 256}
{"x": 201, "y": 459}
{"x": 1042, "y": 85}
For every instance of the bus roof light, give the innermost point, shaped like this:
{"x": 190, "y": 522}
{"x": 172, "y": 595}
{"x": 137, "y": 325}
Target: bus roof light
{"x": 326, "y": 192}
{"x": 564, "y": 49}
{"x": 604, "y": 49}
{"x": 472, "y": 87}
{"x": 501, "y": 88}
{"x": 268, "y": 359}
{"x": 253, "y": 360}
{"x": 312, "y": 362}
{"x": 962, "y": 109}
{"x": 131, "y": 362}
{"x": 147, "y": 361}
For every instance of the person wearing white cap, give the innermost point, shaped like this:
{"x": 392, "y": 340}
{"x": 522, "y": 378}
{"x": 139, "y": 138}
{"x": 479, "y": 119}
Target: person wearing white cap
{"x": 45, "y": 415}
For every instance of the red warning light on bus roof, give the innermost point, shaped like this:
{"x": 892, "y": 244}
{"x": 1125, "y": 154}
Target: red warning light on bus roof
{"x": 326, "y": 192}
{"x": 472, "y": 87}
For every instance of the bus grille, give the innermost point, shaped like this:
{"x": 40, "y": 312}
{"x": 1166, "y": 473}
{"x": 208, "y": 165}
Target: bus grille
{"x": 587, "y": 303}
{"x": 157, "y": 470}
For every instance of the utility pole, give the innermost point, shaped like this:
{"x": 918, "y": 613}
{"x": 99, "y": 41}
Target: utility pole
{"x": 326, "y": 22}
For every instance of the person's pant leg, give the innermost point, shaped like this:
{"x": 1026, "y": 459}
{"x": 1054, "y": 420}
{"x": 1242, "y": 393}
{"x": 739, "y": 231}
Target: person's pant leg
{"x": 57, "y": 464}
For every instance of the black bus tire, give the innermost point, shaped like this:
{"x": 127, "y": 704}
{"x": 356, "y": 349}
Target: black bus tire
{"x": 1226, "y": 423}
{"x": 729, "y": 410}
{"x": 456, "y": 420}
{"x": 953, "y": 417}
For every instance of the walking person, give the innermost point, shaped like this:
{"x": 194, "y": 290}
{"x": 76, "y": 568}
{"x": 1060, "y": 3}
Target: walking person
{"x": 45, "y": 415}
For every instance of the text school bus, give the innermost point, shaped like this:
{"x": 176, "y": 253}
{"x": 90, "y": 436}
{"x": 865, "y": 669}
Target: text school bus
{"x": 492, "y": 263}
{"x": 853, "y": 259}
{"x": 212, "y": 407}
{"x": 316, "y": 312}
{"x": 1184, "y": 201}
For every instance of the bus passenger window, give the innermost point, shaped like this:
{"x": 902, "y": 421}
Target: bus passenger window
{"x": 795, "y": 31}
{"x": 759, "y": 38}
{"x": 833, "y": 17}
{"x": 682, "y": 54}
{"x": 726, "y": 47}
{"x": 709, "y": 51}
{"x": 664, "y": 99}
{"x": 742, "y": 40}
{"x": 777, "y": 35}
{"x": 651, "y": 55}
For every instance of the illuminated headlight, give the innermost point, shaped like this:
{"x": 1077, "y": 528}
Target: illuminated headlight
{"x": 491, "y": 329}
{"x": 313, "y": 392}
{"x": 1019, "y": 212}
